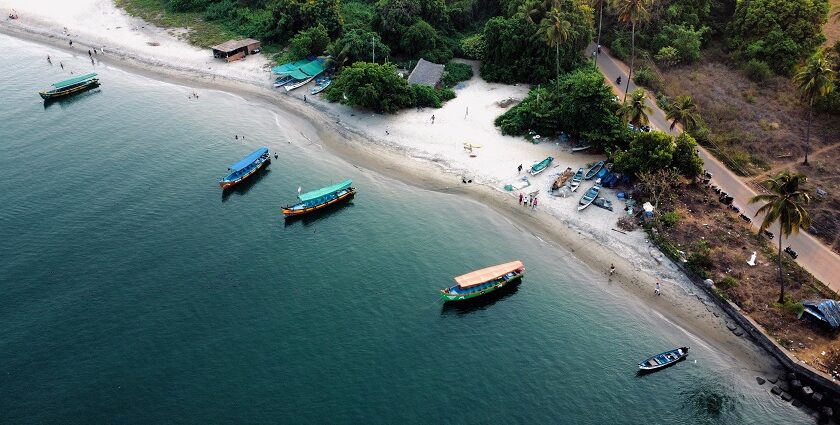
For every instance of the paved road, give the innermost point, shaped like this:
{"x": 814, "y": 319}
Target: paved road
{"x": 817, "y": 258}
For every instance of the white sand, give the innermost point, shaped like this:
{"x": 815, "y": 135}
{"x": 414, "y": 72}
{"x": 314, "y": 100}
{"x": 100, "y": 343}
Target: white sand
{"x": 98, "y": 23}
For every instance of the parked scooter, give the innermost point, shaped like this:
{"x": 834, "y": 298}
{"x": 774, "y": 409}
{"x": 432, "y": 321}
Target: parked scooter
{"x": 791, "y": 252}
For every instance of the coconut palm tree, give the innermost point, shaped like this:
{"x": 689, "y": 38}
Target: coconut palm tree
{"x": 815, "y": 80}
{"x": 683, "y": 110}
{"x": 635, "y": 110}
{"x": 555, "y": 30}
{"x": 632, "y": 12}
{"x": 784, "y": 204}
{"x": 600, "y": 5}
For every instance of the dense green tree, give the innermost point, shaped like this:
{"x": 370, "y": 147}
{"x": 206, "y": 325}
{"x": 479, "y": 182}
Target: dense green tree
{"x": 685, "y": 158}
{"x": 292, "y": 16}
{"x": 682, "y": 37}
{"x": 784, "y": 204}
{"x": 358, "y": 45}
{"x": 815, "y": 80}
{"x": 779, "y": 32}
{"x": 372, "y": 86}
{"x": 635, "y": 110}
{"x": 648, "y": 152}
{"x": 683, "y": 110}
{"x": 312, "y": 41}
{"x": 418, "y": 37}
{"x": 632, "y": 12}
{"x": 555, "y": 30}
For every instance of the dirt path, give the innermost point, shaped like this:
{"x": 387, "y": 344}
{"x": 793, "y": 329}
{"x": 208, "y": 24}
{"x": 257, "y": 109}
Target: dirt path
{"x": 792, "y": 164}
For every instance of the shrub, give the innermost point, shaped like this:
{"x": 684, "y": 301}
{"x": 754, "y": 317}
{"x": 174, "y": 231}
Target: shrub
{"x": 419, "y": 37}
{"x": 446, "y": 94}
{"x": 645, "y": 77}
{"x": 425, "y": 96}
{"x": 757, "y": 70}
{"x": 373, "y": 86}
{"x": 795, "y": 308}
{"x": 309, "y": 41}
{"x": 454, "y": 73}
{"x": 668, "y": 56}
{"x": 474, "y": 47}
{"x": 700, "y": 260}
{"x": 669, "y": 219}
{"x": 685, "y": 158}
{"x": 728, "y": 282}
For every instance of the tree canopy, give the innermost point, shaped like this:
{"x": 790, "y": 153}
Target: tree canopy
{"x": 373, "y": 86}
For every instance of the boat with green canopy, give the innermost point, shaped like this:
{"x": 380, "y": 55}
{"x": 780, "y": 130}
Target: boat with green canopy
{"x": 541, "y": 166}
{"x": 73, "y": 85}
{"x": 486, "y": 280}
{"x": 320, "y": 199}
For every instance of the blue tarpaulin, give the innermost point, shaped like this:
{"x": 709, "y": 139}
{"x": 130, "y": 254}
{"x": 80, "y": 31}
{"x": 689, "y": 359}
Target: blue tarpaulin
{"x": 825, "y": 310}
{"x": 248, "y": 160}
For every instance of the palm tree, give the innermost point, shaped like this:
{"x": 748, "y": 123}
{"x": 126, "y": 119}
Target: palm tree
{"x": 635, "y": 110}
{"x": 785, "y": 204}
{"x": 815, "y": 80}
{"x": 600, "y": 5}
{"x": 683, "y": 110}
{"x": 555, "y": 29}
{"x": 632, "y": 12}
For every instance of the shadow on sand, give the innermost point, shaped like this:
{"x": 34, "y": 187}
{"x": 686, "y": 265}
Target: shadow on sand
{"x": 480, "y": 303}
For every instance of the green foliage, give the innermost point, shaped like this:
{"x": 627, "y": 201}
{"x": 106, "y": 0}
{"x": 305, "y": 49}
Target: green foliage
{"x": 579, "y": 104}
{"x": 425, "y": 96}
{"x": 644, "y": 76}
{"x": 669, "y": 219}
{"x": 685, "y": 157}
{"x": 648, "y": 152}
{"x": 357, "y": 45}
{"x": 667, "y": 56}
{"x": 791, "y": 306}
{"x": 683, "y": 38}
{"x": 357, "y": 14}
{"x": 700, "y": 259}
{"x": 474, "y": 47}
{"x": 418, "y": 37}
{"x": 446, "y": 94}
{"x": 455, "y": 72}
{"x": 728, "y": 282}
{"x": 779, "y": 32}
{"x": 372, "y": 86}
{"x": 309, "y": 41}
{"x": 757, "y": 70}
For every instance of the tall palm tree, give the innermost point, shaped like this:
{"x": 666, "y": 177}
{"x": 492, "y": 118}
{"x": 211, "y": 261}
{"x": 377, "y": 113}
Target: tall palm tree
{"x": 635, "y": 110}
{"x": 785, "y": 204}
{"x": 600, "y": 5}
{"x": 555, "y": 29}
{"x": 632, "y": 12}
{"x": 815, "y": 80}
{"x": 683, "y": 110}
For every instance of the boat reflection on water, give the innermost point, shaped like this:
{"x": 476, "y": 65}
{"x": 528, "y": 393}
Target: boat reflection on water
{"x": 66, "y": 101}
{"x": 242, "y": 188}
{"x": 312, "y": 217}
{"x": 480, "y": 303}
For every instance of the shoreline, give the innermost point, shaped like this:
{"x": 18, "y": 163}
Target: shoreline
{"x": 353, "y": 146}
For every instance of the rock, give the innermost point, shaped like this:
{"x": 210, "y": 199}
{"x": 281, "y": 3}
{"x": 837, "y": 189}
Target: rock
{"x": 807, "y": 391}
{"x": 827, "y": 411}
{"x": 817, "y": 397}
{"x": 776, "y": 390}
{"x": 760, "y": 380}
{"x": 773, "y": 380}
{"x": 791, "y": 376}
{"x": 709, "y": 283}
{"x": 784, "y": 385}
{"x": 731, "y": 327}
{"x": 738, "y": 332}
{"x": 787, "y": 397}
{"x": 796, "y": 403}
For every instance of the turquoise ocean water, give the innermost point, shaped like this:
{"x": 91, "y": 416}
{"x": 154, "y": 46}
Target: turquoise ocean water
{"x": 134, "y": 292}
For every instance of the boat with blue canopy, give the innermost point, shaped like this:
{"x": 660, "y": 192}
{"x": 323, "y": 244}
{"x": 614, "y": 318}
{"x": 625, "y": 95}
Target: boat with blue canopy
{"x": 486, "y": 280}
{"x": 321, "y": 198}
{"x": 246, "y": 167}
{"x": 70, "y": 86}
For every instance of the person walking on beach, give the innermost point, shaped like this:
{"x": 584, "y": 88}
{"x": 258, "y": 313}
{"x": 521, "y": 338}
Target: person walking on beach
{"x": 467, "y": 112}
{"x": 612, "y": 269}
{"x": 90, "y": 54}
{"x": 521, "y": 197}
{"x": 536, "y": 201}
{"x": 433, "y": 118}
{"x": 657, "y": 290}
{"x": 519, "y": 169}
{"x": 304, "y": 98}
{"x": 49, "y": 60}
{"x": 62, "y": 64}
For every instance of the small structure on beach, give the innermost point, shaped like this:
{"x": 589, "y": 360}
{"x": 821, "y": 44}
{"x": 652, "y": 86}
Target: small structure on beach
{"x": 232, "y": 50}
{"x": 426, "y": 73}
{"x": 823, "y": 311}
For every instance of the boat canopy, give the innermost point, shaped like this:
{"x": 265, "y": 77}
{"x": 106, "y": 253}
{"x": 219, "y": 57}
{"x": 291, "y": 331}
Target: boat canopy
{"x": 315, "y": 194}
{"x": 70, "y": 82}
{"x": 313, "y": 68}
{"x": 248, "y": 160}
{"x": 485, "y": 275}
{"x": 301, "y": 69}
{"x": 287, "y": 68}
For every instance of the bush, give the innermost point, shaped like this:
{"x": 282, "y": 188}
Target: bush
{"x": 474, "y": 47}
{"x": 728, "y": 282}
{"x": 667, "y": 56}
{"x": 685, "y": 158}
{"x": 645, "y": 77}
{"x": 455, "y": 72}
{"x": 791, "y": 306}
{"x": 700, "y": 260}
{"x": 446, "y": 94}
{"x": 684, "y": 39}
{"x": 669, "y": 219}
{"x": 309, "y": 41}
{"x": 419, "y": 37}
{"x": 757, "y": 70}
{"x": 425, "y": 96}
{"x": 373, "y": 86}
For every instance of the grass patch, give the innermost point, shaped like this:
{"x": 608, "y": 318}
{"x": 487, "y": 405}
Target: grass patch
{"x": 793, "y": 307}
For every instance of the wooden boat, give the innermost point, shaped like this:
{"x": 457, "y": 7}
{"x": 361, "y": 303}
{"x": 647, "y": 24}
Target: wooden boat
{"x": 562, "y": 178}
{"x": 282, "y": 81}
{"x": 297, "y": 83}
{"x": 594, "y": 170}
{"x": 541, "y": 166}
{"x": 71, "y": 86}
{"x": 589, "y": 197}
{"x": 480, "y": 282}
{"x": 321, "y": 198}
{"x": 663, "y": 360}
{"x": 577, "y": 179}
{"x": 580, "y": 148}
{"x": 246, "y": 167}
{"x": 320, "y": 86}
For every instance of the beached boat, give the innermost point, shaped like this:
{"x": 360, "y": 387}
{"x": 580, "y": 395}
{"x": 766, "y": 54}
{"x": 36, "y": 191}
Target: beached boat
{"x": 297, "y": 83}
{"x": 580, "y": 148}
{"x": 480, "y": 282}
{"x": 577, "y": 179}
{"x": 541, "y": 166}
{"x": 321, "y": 198}
{"x": 588, "y": 197}
{"x": 592, "y": 172}
{"x": 562, "y": 179}
{"x": 320, "y": 86}
{"x": 246, "y": 167}
{"x": 663, "y": 360}
{"x": 282, "y": 81}
{"x": 73, "y": 85}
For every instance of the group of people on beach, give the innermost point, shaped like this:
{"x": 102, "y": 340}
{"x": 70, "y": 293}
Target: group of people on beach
{"x": 528, "y": 201}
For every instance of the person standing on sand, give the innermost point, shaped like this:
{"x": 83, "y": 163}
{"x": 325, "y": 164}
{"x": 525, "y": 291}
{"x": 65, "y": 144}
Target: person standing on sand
{"x": 536, "y": 201}
{"x": 304, "y": 98}
{"x": 521, "y": 196}
{"x": 433, "y": 118}
{"x": 519, "y": 169}
{"x": 467, "y": 112}
{"x": 90, "y": 54}
{"x": 62, "y": 64}
{"x": 612, "y": 269}
{"x": 657, "y": 291}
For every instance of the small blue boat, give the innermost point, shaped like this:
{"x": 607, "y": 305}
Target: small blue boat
{"x": 663, "y": 360}
{"x": 246, "y": 167}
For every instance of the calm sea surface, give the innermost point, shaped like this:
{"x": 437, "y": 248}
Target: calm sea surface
{"x": 134, "y": 292}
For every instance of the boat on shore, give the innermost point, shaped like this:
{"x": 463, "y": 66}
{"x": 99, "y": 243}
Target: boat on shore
{"x": 71, "y": 86}
{"x": 484, "y": 281}
{"x": 562, "y": 179}
{"x": 580, "y": 148}
{"x": 297, "y": 83}
{"x": 321, "y": 84}
{"x": 246, "y": 167}
{"x": 663, "y": 360}
{"x": 282, "y": 81}
{"x": 578, "y": 177}
{"x": 589, "y": 197}
{"x": 541, "y": 166}
{"x": 321, "y": 198}
{"x": 592, "y": 172}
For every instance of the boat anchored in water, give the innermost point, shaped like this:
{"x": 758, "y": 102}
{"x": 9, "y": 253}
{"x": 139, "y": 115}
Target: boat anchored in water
{"x": 68, "y": 87}
{"x": 663, "y": 360}
{"x": 246, "y": 167}
{"x": 480, "y": 282}
{"x": 321, "y": 198}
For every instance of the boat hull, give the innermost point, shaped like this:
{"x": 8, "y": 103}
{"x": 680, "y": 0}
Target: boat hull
{"x": 288, "y": 212}
{"x": 651, "y": 364}
{"x": 226, "y": 184}
{"x": 453, "y": 297}
{"x": 301, "y": 83}
{"x": 54, "y": 94}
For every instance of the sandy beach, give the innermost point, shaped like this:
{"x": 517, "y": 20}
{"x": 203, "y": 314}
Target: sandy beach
{"x": 406, "y": 146}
